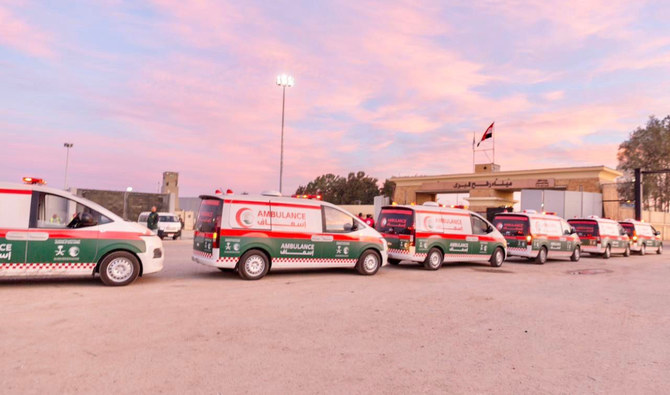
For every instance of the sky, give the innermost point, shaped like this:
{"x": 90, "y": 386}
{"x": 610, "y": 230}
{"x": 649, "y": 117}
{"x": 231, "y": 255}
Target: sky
{"x": 392, "y": 88}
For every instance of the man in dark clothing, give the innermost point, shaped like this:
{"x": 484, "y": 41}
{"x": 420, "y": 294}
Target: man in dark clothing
{"x": 152, "y": 221}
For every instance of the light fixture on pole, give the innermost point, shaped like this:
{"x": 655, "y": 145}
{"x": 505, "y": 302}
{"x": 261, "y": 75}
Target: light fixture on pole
{"x": 125, "y": 202}
{"x": 67, "y": 160}
{"x": 284, "y": 81}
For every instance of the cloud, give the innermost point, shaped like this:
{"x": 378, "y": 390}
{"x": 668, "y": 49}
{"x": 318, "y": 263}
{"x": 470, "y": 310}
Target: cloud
{"x": 18, "y": 34}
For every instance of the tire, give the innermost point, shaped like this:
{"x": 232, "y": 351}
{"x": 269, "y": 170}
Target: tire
{"x": 626, "y": 253}
{"x": 608, "y": 252}
{"x": 368, "y": 263}
{"x": 253, "y": 265}
{"x": 660, "y": 249}
{"x": 643, "y": 250}
{"x": 394, "y": 262}
{"x": 175, "y": 237}
{"x": 434, "y": 259}
{"x": 119, "y": 268}
{"x": 497, "y": 258}
{"x": 541, "y": 256}
{"x": 576, "y": 254}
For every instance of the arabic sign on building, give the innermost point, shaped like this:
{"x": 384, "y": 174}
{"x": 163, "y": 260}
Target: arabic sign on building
{"x": 496, "y": 183}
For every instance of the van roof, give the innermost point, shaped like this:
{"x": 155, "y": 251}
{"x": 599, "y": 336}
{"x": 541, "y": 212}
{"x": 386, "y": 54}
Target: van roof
{"x": 265, "y": 198}
{"x": 60, "y": 192}
{"x": 422, "y": 209}
{"x": 593, "y": 219}
{"x": 531, "y": 215}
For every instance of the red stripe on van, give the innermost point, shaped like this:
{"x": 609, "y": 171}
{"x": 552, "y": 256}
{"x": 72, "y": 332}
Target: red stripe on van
{"x": 397, "y": 211}
{"x": 282, "y": 235}
{"x": 442, "y": 213}
{"x": 453, "y": 236}
{"x": 17, "y": 191}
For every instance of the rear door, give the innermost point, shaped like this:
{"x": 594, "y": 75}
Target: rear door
{"x": 396, "y": 225}
{"x": 207, "y": 224}
{"x": 14, "y": 216}
{"x": 514, "y": 228}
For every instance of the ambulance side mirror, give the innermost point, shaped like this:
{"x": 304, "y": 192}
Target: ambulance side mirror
{"x": 657, "y": 233}
{"x": 573, "y": 230}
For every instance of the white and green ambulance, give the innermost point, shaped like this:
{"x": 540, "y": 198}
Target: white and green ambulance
{"x": 643, "y": 236}
{"x": 432, "y": 235}
{"x": 538, "y": 236}
{"x": 601, "y": 236}
{"x": 253, "y": 234}
{"x": 50, "y": 232}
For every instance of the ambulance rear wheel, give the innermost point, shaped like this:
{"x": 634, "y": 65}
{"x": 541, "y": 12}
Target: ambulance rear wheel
{"x": 576, "y": 254}
{"x": 369, "y": 263}
{"x": 119, "y": 268}
{"x": 434, "y": 259}
{"x": 660, "y": 249}
{"x": 541, "y": 256}
{"x": 608, "y": 252}
{"x": 253, "y": 265}
{"x": 497, "y": 258}
{"x": 626, "y": 252}
{"x": 394, "y": 261}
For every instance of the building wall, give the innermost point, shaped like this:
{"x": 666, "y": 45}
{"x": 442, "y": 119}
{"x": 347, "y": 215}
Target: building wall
{"x": 135, "y": 202}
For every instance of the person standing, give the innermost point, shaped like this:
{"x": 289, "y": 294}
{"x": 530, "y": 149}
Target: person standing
{"x": 370, "y": 221}
{"x": 152, "y": 221}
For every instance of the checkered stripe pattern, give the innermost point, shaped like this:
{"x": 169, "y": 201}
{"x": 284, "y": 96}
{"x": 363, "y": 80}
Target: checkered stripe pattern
{"x": 323, "y": 261}
{"x": 228, "y": 259}
{"x": 50, "y": 266}
{"x": 517, "y": 249}
{"x": 396, "y": 251}
{"x": 202, "y": 254}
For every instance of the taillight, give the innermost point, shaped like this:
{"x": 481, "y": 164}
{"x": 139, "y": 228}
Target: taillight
{"x": 529, "y": 238}
{"x": 597, "y": 239}
{"x": 634, "y": 236}
{"x": 412, "y": 236}
{"x": 216, "y": 238}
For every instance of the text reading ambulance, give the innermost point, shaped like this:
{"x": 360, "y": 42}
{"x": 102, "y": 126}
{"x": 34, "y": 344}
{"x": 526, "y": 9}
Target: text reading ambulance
{"x": 432, "y": 235}
{"x": 642, "y": 236}
{"x": 601, "y": 236}
{"x": 49, "y": 232}
{"x": 254, "y": 234}
{"x": 538, "y": 236}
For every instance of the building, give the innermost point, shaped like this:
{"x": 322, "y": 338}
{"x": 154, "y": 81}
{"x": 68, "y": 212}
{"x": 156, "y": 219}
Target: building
{"x": 492, "y": 190}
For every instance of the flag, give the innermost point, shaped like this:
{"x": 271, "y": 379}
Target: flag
{"x": 487, "y": 134}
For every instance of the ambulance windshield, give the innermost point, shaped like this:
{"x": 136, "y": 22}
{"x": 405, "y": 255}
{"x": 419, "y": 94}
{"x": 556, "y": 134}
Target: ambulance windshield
{"x": 209, "y": 215}
{"x": 585, "y": 228}
{"x": 511, "y": 225}
{"x": 395, "y": 221}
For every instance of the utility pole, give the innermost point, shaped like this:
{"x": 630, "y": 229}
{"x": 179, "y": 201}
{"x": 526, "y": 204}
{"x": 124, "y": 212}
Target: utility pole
{"x": 67, "y": 160}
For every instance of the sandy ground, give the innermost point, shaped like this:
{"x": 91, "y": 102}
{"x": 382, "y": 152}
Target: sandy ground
{"x": 522, "y": 328}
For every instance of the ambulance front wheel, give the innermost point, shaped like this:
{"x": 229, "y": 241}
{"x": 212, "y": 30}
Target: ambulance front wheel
{"x": 626, "y": 252}
{"x": 608, "y": 252}
{"x": 541, "y": 256}
{"x": 497, "y": 258}
{"x": 434, "y": 259}
{"x": 369, "y": 263}
{"x": 576, "y": 254}
{"x": 253, "y": 265}
{"x": 119, "y": 268}
{"x": 660, "y": 249}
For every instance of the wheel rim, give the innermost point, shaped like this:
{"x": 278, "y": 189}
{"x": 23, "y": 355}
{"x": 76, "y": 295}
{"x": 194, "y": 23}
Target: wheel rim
{"x": 607, "y": 251}
{"x": 499, "y": 258}
{"x": 370, "y": 262}
{"x": 254, "y": 265}
{"x": 435, "y": 259}
{"x": 120, "y": 269}
{"x": 644, "y": 249}
{"x": 577, "y": 253}
{"x": 543, "y": 255}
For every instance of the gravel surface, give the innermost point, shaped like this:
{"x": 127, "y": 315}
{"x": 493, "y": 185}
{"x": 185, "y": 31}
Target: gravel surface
{"x": 521, "y": 328}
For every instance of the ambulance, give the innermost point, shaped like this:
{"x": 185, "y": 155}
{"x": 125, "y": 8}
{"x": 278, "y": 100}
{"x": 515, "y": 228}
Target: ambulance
{"x": 50, "y": 232}
{"x": 432, "y": 235}
{"x": 253, "y": 234}
{"x": 601, "y": 236}
{"x": 642, "y": 236}
{"x": 538, "y": 236}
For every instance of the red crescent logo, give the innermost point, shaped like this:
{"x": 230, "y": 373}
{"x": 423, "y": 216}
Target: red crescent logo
{"x": 238, "y": 217}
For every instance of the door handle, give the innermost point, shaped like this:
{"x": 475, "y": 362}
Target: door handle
{"x": 38, "y": 236}
{"x": 16, "y": 236}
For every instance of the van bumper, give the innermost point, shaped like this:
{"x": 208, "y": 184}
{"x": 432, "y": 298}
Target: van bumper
{"x": 405, "y": 255}
{"x": 524, "y": 252}
{"x": 154, "y": 256}
{"x": 209, "y": 260}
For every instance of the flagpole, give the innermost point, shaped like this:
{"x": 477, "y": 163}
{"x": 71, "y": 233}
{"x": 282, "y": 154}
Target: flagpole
{"x": 473, "y": 151}
{"x": 494, "y": 142}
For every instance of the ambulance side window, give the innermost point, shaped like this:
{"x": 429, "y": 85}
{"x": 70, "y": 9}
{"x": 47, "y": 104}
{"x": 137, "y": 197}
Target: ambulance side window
{"x": 479, "y": 226}
{"x": 336, "y": 221}
{"x": 57, "y": 212}
{"x": 53, "y": 211}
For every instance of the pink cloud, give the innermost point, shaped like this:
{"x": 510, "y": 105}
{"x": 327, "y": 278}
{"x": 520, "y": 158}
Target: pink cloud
{"x": 16, "y": 33}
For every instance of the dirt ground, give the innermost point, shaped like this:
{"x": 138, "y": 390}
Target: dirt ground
{"x": 521, "y": 328}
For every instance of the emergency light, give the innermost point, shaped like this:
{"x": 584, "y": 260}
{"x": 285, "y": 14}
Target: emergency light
{"x": 34, "y": 181}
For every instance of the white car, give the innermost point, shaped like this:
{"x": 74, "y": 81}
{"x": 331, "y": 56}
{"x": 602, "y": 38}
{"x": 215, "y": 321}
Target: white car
{"x": 168, "y": 224}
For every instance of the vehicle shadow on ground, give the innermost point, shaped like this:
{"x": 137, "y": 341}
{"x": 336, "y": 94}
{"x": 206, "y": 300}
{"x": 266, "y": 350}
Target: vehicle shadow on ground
{"x": 484, "y": 267}
{"x": 84, "y": 281}
{"x": 231, "y": 274}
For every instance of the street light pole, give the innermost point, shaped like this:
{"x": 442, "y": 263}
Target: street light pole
{"x": 67, "y": 160}
{"x": 284, "y": 81}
